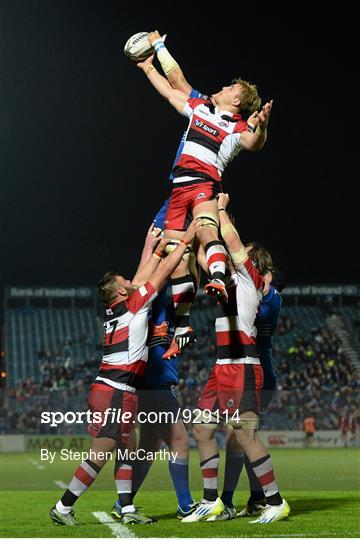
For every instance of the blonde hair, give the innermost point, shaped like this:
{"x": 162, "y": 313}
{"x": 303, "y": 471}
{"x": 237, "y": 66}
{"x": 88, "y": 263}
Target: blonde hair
{"x": 250, "y": 99}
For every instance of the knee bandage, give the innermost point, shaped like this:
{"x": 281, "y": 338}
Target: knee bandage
{"x": 209, "y": 219}
{"x": 245, "y": 423}
{"x": 172, "y": 245}
{"x": 205, "y": 418}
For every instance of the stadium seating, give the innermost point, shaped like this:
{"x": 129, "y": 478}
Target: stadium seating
{"x": 53, "y": 355}
{"x": 35, "y": 333}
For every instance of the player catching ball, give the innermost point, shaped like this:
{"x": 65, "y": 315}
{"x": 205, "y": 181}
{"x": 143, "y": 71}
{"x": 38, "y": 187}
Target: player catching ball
{"x": 217, "y": 132}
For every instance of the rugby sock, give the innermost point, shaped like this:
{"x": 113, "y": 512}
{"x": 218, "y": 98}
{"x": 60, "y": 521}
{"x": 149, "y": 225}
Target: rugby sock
{"x": 256, "y": 491}
{"x": 184, "y": 292}
{"x": 233, "y": 467}
{"x": 140, "y": 472}
{"x": 209, "y": 469}
{"x": 179, "y": 471}
{"x": 264, "y": 472}
{"x": 123, "y": 481}
{"x": 80, "y": 482}
{"x": 216, "y": 259}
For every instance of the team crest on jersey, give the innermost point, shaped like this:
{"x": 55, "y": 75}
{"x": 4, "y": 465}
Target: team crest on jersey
{"x": 224, "y": 123}
{"x": 109, "y": 312}
{"x": 230, "y": 403}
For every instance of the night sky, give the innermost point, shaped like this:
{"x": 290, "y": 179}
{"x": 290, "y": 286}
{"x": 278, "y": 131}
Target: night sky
{"x": 87, "y": 145}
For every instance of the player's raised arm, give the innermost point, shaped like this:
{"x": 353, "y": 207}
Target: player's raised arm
{"x": 168, "y": 265}
{"x": 150, "y": 258}
{"x": 171, "y": 68}
{"x": 176, "y": 98}
{"x": 255, "y": 138}
{"x": 229, "y": 233}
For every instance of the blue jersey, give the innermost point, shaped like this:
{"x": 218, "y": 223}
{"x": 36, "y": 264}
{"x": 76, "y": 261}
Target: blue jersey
{"x": 161, "y": 373}
{"x": 266, "y": 323}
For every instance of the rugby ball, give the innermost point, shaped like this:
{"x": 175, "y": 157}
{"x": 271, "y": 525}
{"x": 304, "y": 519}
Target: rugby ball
{"x": 138, "y": 47}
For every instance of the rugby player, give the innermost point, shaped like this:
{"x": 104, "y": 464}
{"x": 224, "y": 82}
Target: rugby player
{"x": 266, "y": 323}
{"x": 124, "y": 362}
{"x": 216, "y": 134}
{"x": 233, "y": 391}
{"x": 157, "y": 393}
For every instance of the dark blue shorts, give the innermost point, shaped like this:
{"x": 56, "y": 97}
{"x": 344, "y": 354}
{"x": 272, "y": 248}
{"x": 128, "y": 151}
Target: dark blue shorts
{"x": 160, "y": 400}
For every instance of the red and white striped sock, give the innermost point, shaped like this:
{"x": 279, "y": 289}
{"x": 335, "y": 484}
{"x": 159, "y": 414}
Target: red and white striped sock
{"x": 209, "y": 469}
{"x": 184, "y": 292}
{"x": 264, "y": 471}
{"x": 80, "y": 482}
{"x": 216, "y": 257}
{"x": 123, "y": 481}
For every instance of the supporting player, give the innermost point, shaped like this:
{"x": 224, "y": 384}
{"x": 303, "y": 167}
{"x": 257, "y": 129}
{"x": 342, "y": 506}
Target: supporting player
{"x": 216, "y": 133}
{"x": 232, "y": 393}
{"x": 124, "y": 362}
{"x": 157, "y": 394}
{"x": 266, "y": 323}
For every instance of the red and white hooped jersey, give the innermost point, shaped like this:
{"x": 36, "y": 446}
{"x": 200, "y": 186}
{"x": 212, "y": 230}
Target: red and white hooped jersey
{"x": 212, "y": 140}
{"x": 235, "y": 322}
{"x": 125, "y": 335}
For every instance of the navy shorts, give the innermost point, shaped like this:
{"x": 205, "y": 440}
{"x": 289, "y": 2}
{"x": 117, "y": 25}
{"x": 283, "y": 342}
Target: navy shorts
{"x": 156, "y": 401}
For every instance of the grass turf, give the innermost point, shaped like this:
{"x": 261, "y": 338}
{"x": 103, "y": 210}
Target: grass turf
{"x": 321, "y": 486}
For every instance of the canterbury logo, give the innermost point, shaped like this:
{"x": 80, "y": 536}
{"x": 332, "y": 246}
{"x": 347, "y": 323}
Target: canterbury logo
{"x": 277, "y": 440}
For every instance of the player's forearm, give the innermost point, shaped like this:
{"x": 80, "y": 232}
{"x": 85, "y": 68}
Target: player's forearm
{"x": 231, "y": 238}
{"x": 168, "y": 265}
{"x": 254, "y": 141}
{"x": 159, "y": 82}
{"x": 227, "y": 229}
{"x": 259, "y": 138}
{"x": 170, "y": 67}
{"x": 177, "y": 80}
{"x": 146, "y": 269}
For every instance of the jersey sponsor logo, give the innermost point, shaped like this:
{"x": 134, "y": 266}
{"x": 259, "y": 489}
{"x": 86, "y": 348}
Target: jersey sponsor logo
{"x": 205, "y": 127}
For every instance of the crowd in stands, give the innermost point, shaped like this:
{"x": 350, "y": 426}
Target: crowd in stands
{"x": 315, "y": 378}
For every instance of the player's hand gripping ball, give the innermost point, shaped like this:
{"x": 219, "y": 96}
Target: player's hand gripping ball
{"x": 138, "y": 47}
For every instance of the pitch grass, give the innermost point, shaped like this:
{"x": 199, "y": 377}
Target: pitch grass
{"x": 321, "y": 486}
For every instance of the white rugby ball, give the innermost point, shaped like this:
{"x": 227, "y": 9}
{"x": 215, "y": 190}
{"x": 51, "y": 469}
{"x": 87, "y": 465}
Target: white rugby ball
{"x": 138, "y": 47}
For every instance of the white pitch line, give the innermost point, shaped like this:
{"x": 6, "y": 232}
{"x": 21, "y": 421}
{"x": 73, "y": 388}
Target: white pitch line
{"x": 118, "y": 530}
{"x": 60, "y": 484}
